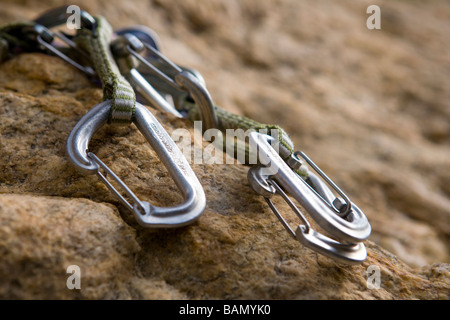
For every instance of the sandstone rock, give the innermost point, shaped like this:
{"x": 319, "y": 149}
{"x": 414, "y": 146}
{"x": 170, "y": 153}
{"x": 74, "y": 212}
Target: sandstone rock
{"x": 237, "y": 250}
{"x": 375, "y": 125}
{"x": 40, "y": 237}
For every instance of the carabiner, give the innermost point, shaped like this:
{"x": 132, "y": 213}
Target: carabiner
{"x": 142, "y": 87}
{"x": 33, "y": 37}
{"x": 45, "y": 37}
{"x": 144, "y": 34}
{"x": 147, "y": 215}
{"x": 275, "y": 176}
{"x": 172, "y": 76}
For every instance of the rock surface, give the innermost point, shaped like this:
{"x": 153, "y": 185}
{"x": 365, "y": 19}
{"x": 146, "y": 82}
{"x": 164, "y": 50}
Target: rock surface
{"x": 370, "y": 107}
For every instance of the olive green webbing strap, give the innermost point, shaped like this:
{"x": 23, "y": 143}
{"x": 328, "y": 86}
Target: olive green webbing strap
{"x": 115, "y": 86}
{"x": 228, "y": 120}
{"x": 118, "y": 89}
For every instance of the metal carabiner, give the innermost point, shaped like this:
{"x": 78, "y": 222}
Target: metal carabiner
{"x": 147, "y": 215}
{"x": 45, "y": 37}
{"x": 36, "y": 37}
{"x": 142, "y": 87}
{"x": 144, "y": 34}
{"x": 179, "y": 80}
{"x": 275, "y": 176}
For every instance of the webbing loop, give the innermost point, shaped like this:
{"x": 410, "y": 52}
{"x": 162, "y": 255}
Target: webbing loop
{"x": 115, "y": 87}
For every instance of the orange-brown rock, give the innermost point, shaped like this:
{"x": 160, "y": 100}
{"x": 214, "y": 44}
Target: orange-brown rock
{"x": 369, "y": 106}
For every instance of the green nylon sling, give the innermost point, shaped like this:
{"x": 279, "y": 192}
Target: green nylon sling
{"x": 228, "y": 120}
{"x": 115, "y": 86}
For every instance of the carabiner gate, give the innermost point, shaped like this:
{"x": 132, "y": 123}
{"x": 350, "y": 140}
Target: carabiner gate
{"x": 147, "y": 215}
{"x": 275, "y": 176}
{"x": 120, "y": 49}
{"x": 172, "y": 78}
{"x": 45, "y": 37}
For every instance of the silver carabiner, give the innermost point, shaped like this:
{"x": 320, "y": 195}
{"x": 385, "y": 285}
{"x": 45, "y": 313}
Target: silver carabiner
{"x": 275, "y": 176}
{"x": 173, "y": 77}
{"x": 45, "y": 37}
{"x": 119, "y": 48}
{"x": 147, "y": 215}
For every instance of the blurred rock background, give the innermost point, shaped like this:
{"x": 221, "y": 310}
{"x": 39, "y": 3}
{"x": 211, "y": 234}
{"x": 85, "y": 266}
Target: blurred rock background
{"x": 370, "y": 107}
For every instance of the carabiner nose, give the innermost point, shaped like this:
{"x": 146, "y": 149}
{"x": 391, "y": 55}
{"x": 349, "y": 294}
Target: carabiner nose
{"x": 146, "y": 214}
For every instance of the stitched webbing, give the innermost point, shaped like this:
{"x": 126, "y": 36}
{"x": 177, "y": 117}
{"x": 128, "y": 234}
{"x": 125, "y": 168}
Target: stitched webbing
{"x": 228, "y": 120}
{"x": 115, "y": 86}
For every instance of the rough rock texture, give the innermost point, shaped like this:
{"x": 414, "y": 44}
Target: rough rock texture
{"x": 370, "y": 107}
